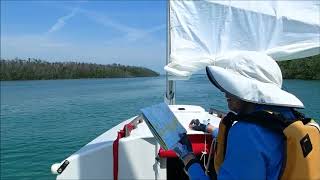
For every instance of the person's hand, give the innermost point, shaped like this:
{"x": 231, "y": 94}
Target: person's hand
{"x": 183, "y": 147}
{"x": 196, "y": 125}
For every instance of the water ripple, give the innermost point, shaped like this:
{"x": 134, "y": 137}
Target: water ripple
{"x": 43, "y": 122}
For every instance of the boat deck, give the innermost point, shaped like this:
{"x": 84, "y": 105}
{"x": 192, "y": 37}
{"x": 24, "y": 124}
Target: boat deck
{"x": 95, "y": 160}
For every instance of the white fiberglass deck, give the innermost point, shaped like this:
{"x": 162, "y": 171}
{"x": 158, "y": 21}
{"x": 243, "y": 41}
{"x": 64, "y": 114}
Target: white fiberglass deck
{"x": 137, "y": 153}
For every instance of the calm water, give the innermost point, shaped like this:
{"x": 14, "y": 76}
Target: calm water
{"x": 43, "y": 122}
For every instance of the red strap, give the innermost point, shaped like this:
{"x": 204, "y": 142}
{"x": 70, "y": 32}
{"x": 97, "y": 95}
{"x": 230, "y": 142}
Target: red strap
{"x": 115, "y": 154}
{"x": 198, "y": 145}
{"x": 197, "y": 142}
{"x": 122, "y": 133}
{"x": 128, "y": 127}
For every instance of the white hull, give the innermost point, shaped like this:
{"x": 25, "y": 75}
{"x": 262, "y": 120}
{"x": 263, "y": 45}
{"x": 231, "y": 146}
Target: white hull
{"x": 137, "y": 152}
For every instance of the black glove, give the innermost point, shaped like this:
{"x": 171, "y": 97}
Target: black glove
{"x": 196, "y": 125}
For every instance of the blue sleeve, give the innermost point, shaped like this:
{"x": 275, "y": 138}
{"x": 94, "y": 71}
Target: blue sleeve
{"x": 243, "y": 158}
{"x": 196, "y": 172}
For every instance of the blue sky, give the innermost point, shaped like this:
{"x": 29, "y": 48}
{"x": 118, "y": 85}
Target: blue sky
{"x": 104, "y": 32}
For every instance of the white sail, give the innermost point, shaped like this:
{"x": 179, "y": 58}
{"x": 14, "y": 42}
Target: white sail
{"x": 202, "y": 32}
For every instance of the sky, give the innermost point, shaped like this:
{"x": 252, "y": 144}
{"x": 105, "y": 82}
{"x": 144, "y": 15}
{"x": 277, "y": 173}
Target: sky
{"x": 103, "y": 32}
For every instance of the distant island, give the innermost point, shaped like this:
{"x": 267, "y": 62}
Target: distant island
{"x": 36, "y": 69}
{"x": 306, "y": 68}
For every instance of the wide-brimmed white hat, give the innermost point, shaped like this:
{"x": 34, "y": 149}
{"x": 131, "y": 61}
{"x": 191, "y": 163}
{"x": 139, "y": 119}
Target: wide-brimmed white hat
{"x": 253, "y": 77}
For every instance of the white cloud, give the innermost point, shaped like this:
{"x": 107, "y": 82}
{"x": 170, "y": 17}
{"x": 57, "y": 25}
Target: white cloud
{"x": 106, "y": 21}
{"x": 62, "y": 21}
{"x": 136, "y": 35}
{"x": 130, "y": 34}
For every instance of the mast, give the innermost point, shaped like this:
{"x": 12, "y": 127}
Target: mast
{"x": 170, "y": 84}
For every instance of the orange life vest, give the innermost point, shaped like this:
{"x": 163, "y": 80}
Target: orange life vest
{"x": 302, "y": 140}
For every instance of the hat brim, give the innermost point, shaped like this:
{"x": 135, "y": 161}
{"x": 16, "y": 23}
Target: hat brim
{"x": 251, "y": 90}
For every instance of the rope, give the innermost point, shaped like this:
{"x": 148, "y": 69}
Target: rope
{"x": 210, "y": 155}
{"x": 204, "y": 152}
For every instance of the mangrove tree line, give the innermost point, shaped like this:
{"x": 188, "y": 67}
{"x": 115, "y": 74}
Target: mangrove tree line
{"x": 36, "y": 69}
{"x": 305, "y": 68}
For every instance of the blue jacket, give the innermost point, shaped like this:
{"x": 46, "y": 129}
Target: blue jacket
{"x": 253, "y": 152}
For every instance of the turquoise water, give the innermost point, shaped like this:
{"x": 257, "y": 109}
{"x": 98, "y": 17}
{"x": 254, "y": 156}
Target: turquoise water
{"x": 43, "y": 122}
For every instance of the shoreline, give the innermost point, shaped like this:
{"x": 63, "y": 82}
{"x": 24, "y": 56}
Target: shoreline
{"x": 107, "y": 78}
{"x": 135, "y": 77}
{"x": 34, "y": 69}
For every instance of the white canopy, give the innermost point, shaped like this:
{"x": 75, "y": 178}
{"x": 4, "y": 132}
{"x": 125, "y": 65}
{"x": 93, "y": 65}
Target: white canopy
{"x": 202, "y": 32}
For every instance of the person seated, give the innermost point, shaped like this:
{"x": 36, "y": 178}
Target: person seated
{"x": 251, "y": 82}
